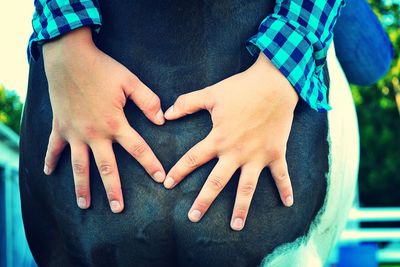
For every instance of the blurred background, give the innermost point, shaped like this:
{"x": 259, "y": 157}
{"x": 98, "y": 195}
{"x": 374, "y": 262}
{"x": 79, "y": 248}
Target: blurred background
{"x": 374, "y": 223}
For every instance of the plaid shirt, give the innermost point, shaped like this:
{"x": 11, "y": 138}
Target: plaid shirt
{"x": 295, "y": 37}
{"x": 53, "y": 18}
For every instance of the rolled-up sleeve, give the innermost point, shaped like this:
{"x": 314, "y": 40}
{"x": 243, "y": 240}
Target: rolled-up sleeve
{"x": 296, "y": 38}
{"x": 56, "y": 17}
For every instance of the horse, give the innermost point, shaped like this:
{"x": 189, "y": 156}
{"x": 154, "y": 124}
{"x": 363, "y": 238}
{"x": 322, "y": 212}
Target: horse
{"x": 176, "y": 47}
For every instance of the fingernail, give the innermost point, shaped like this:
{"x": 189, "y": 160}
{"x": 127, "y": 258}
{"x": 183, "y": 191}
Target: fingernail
{"x": 195, "y": 215}
{"x": 81, "y": 202}
{"x": 169, "y": 182}
{"x": 46, "y": 169}
{"x": 115, "y": 206}
{"x": 289, "y": 201}
{"x": 160, "y": 117}
{"x": 159, "y": 177}
{"x": 169, "y": 112}
{"x": 237, "y": 224}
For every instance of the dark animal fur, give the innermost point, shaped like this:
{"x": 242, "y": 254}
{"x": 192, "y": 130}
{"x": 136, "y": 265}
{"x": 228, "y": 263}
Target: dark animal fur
{"x": 174, "y": 47}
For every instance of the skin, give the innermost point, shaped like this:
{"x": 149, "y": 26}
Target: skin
{"x": 88, "y": 114}
{"x": 252, "y": 114}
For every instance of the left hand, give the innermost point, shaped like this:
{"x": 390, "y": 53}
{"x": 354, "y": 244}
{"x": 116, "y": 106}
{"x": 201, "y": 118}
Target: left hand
{"x": 252, "y": 114}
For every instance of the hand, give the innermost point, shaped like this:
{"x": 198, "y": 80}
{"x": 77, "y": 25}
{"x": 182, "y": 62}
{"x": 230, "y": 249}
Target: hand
{"x": 252, "y": 114}
{"x": 88, "y": 90}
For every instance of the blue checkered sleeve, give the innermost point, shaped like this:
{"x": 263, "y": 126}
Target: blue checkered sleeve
{"x": 296, "y": 38}
{"x": 53, "y": 18}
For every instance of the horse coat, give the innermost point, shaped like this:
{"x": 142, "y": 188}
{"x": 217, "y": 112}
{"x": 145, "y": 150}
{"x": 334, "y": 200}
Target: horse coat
{"x": 176, "y": 47}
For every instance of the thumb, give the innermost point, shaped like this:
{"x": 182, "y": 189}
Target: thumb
{"x": 189, "y": 103}
{"x": 145, "y": 99}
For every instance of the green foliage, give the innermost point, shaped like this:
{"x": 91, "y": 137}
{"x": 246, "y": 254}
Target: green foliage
{"x": 10, "y": 109}
{"x": 378, "y": 115}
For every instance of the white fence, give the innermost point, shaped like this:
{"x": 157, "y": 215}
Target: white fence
{"x": 355, "y": 234}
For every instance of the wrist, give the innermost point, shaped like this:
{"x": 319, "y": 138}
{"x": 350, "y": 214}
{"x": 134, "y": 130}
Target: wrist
{"x": 272, "y": 75}
{"x": 76, "y": 41}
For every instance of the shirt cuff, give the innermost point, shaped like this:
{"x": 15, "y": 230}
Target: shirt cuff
{"x": 290, "y": 48}
{"x": 54, "y": 19}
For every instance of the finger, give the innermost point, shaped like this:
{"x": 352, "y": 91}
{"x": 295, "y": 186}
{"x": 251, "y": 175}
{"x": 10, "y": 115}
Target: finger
{"x": 107, "y": 166}
{"x": 216, "y": 181}
{"x": 80, "y": 169}
{"x": 54, "y": 148}
{"x": 280, "y": 173}
{"x": 198, "y": 155}
{"x": 132, "y": 142}
{"x": 145, "y": 99}
{"x": 247, "y": 185}
{"x": 189, "y": 103}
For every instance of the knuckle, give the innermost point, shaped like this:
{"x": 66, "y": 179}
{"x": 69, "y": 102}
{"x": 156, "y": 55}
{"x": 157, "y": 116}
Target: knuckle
{"x": 113, "y": 124}
{"x": 49, "y": 162}
{"x": 81, "y": 190}
{"x": 276, "y": 154}
{"x": 202, "y": 205}
{"x": 153, "y": 103}
{"x": 241, "y": 212}
{"x": 63, "y": 127}
{"x": 133, "y": 82}
{"x": 219, "y": 139}
{"x": 90, "y": 131}
{"x": 285, "y": 192}
{"x": 78, "y": 168}
{"x": 216, "y": 182}
{"x": 192, "y": 160}
{"x": 49, "y": 155}
{"x": 285, "y": 189}
{"x": 54, "y": 147}
{"x": 113, "y": 192}
{"x": 240, "y": 147}
{"x": 247, "y": 189}
{"x": 180, "y": 102}
{"x": 139, "y": 149}
{"x": 281, "y": 177}
{"x": 105, "y": 168}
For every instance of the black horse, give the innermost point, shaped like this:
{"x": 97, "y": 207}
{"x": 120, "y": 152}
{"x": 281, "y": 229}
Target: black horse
{"x": 174, "y": 47}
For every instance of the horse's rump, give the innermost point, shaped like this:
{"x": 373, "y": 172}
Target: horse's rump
{"x": 174, "y": 47}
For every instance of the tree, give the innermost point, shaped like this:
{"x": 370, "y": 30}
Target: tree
{"x": 10, "y": 109}
{"x": 378, "y": 108}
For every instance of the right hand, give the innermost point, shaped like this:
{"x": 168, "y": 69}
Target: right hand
{"x": 88, "y": 90}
